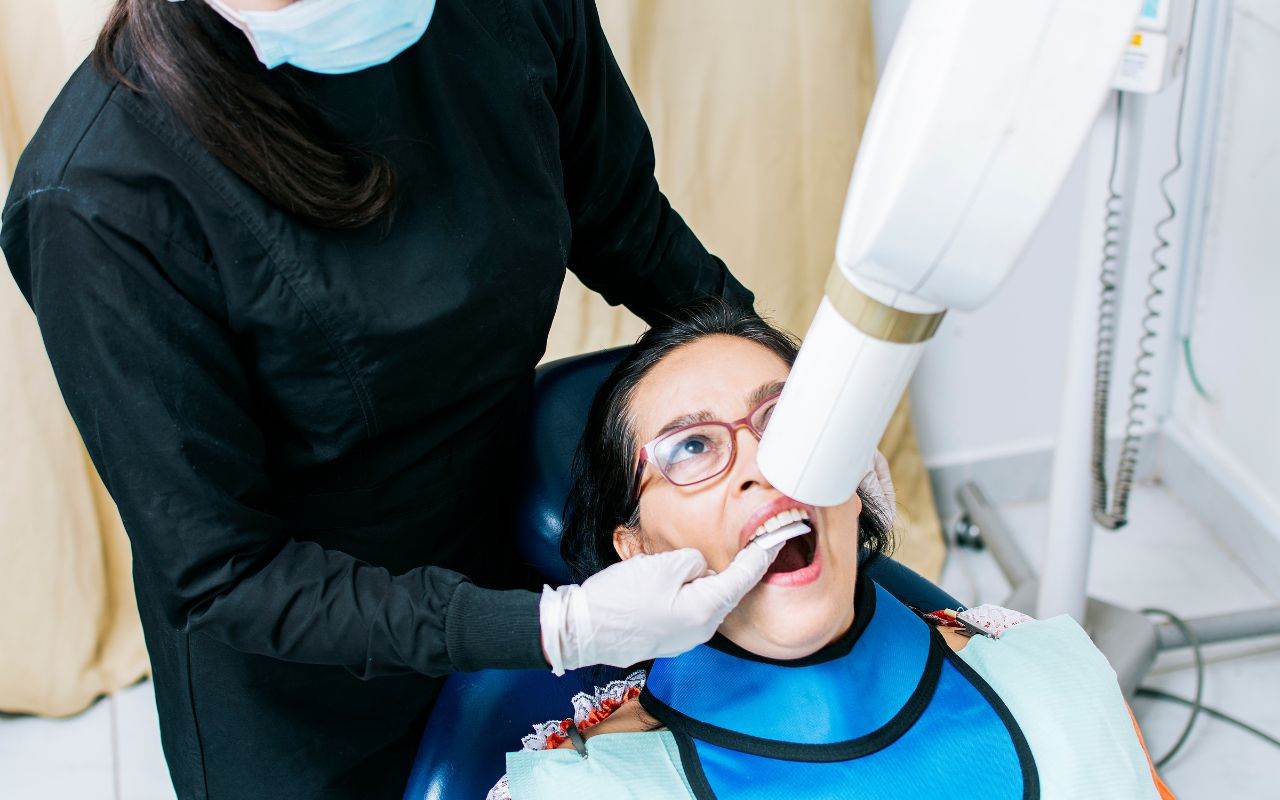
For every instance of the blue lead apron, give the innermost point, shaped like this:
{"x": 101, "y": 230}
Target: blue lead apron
{"x": 886, "y": 711}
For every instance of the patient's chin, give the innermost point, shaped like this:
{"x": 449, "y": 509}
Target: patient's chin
{"x": 806, "y": 600}
{"x": 778, "y": 626}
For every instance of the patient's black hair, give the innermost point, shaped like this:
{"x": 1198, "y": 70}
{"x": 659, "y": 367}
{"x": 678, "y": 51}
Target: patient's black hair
{"x": 604, "y": 465}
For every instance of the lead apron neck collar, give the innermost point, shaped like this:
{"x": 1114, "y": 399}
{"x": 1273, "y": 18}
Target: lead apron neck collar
{"x": 869, "y": 710}
{"x": 848, "y": 699}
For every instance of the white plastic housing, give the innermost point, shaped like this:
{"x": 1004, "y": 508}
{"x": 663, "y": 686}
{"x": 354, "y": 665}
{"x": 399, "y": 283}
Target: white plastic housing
{"x": 981, "y": 110}
{"x": 980, "y": 113}
{"x": 836, "y": 404}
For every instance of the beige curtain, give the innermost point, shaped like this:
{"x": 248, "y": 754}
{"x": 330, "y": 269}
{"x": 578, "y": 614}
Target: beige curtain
{"x": 68, "y": 623}
{"x": 756, "y": 107}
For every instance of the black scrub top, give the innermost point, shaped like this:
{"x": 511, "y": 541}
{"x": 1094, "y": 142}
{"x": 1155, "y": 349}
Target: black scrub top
{"x": 310, "y": 434}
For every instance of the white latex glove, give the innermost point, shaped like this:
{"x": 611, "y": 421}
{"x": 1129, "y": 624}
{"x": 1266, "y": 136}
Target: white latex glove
{"x": 879, "y": 484}
{"x": 648, "y": 606}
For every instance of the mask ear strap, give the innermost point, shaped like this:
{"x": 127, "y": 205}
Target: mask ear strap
{"x": 223, "y": 10}
{"x": 234, "y": 19}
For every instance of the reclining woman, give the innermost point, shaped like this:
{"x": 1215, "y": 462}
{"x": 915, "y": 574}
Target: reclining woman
{"x": 820, "y": 683}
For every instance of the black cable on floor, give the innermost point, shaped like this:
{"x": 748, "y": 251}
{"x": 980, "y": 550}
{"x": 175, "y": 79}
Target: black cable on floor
{"x": 1160, "y": 694}
{"x": 1196, "y": 705}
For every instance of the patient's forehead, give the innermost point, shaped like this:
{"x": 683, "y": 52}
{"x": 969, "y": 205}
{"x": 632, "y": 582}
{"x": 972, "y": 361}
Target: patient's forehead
{"x": 717, "y": 373}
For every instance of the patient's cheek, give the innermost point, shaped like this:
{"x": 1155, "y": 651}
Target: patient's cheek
{"x": 665, "y": 540}
{"x": 662, "y": 541}
{"x": 670, "y": 521}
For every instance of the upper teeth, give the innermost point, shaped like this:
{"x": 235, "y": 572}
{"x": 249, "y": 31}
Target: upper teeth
{"x": 782, "y": 518}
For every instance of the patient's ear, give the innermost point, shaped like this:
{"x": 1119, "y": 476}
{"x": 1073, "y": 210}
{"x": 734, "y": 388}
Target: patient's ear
{"x": 627, "y": 542}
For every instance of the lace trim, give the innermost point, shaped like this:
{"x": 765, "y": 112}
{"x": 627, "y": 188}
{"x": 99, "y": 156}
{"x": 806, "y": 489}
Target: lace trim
{"x": 588, "y": 710}
{"x": 986, "y": 619}
{"x": 993, "y": 620}
{"x": 500, "y": 791}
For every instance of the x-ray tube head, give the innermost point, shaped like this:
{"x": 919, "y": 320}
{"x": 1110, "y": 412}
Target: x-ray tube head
{"x": 979, "y": 115}
{"x": 837, "y": 402}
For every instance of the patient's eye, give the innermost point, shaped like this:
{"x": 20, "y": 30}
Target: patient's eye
{"x": 694, "y": 454}
{"x": 690, "y": 446}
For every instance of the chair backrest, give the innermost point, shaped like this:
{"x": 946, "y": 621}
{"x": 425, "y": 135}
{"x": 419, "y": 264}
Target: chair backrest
{"x": 480, "y": 716}
{"x": 562, "y": 394}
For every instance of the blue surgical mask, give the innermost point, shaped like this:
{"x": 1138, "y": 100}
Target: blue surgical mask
{"x": 332, "y": 36}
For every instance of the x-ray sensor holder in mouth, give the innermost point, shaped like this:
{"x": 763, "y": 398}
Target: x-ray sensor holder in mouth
{"x": 772, "y": 539}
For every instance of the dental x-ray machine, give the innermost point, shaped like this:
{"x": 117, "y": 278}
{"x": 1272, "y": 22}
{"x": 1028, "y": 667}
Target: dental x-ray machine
{"x": 979, "y": 115}
{"x": 981, "y": 110}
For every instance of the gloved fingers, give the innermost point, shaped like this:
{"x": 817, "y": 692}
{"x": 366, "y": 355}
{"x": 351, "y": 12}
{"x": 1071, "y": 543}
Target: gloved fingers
{"x": 716, "y": 595}
{"x": 886, "y": 480}
{"x": 879, "y": 484}
{"x": 686, "y": 563}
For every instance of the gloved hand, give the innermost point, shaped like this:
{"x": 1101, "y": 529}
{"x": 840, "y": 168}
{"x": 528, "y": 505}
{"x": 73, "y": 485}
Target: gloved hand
{"x": 648, "y": 606}
{"x": 878, "y": 484}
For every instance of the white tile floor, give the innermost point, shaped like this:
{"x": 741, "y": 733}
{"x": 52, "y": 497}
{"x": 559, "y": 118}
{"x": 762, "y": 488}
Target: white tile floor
{"x": 109, "y": 752}
{"x": 1164, "y": 558}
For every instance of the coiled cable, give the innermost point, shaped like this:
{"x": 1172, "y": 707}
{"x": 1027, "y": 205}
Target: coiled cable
{"x": 1117, "y": 514}
{"x": 1104, "y": 353}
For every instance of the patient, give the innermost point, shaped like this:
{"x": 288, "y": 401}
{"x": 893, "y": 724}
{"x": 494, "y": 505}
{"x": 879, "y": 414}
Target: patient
{"x": 820, "y": 684}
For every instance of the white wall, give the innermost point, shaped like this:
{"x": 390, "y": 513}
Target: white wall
{"x": 886, "y": 16}
{"x": 1233, "y": 324}
{"x": 989, "y": 384}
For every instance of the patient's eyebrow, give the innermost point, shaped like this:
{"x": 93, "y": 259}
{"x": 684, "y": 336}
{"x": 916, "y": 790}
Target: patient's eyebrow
{"x": 755, "y": 398}
{"x": 685, "y": 419}
{"x": 764, "y": 392}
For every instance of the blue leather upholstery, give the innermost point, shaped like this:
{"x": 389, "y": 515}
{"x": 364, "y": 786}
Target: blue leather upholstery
{"x": 480, "y": 716}
{"x": 562, "y": 393}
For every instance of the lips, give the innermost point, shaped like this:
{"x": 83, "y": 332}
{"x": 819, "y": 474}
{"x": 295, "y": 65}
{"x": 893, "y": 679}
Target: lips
{"x": 769, "y": 510}
{"x": 800, "y": 561}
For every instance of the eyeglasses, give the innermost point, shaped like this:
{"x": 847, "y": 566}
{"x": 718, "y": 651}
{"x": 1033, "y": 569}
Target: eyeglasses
{"x": 701, "y": 451}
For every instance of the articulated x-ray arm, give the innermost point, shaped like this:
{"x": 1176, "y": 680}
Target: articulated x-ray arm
{"x": 981, "y": 110}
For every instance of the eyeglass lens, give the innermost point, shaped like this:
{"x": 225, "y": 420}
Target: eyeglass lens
{"x": 703, "y": 451}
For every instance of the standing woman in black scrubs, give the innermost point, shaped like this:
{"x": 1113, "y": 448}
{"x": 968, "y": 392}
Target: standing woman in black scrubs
{"x": 294, "y": 263}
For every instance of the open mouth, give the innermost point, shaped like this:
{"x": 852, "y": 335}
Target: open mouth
{"x": 799, "y": 561}
{"x": 797, "y": 554}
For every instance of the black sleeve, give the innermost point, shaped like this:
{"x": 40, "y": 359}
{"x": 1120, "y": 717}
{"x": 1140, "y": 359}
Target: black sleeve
{"x": 629, "y": 244}
{"x": 134, "y": 327}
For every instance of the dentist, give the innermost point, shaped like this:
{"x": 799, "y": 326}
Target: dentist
{"x": 293, "y": 264}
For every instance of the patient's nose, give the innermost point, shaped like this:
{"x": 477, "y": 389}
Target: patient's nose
{"x": 746, "y": 471}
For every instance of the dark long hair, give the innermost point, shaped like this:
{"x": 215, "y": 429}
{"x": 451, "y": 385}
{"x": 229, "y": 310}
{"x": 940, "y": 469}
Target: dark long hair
{"x": 256, "y": 121}
{"x": 603, "y": 466}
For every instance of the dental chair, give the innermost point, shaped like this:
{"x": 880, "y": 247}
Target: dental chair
{"x": 480, "y": 716}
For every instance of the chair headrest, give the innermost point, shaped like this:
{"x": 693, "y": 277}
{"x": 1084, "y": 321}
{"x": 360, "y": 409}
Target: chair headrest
{"x": 562, "y": 395}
